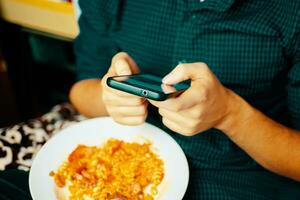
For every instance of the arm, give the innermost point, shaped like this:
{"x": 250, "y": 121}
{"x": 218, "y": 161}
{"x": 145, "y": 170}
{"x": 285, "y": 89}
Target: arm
{"x": 208, "y": 104}
{"x": 273, "y": 145}
{"x": 95, "y": 59}
{"x": 86, "y": 97}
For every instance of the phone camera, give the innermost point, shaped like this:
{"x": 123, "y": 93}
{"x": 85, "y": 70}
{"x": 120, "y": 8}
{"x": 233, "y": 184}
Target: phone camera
{"x": 144, "y": 93}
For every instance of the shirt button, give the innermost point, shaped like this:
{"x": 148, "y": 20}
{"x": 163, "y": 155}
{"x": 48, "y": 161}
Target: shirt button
{"x": 194, "y": 16}
{"x": 201, "y": 1}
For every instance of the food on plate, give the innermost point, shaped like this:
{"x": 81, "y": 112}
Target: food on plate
{"x": 116, "y": 170}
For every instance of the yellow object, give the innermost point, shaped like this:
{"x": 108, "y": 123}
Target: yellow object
{"x": 57, "y": 18}
{"x": 117, "y": 170}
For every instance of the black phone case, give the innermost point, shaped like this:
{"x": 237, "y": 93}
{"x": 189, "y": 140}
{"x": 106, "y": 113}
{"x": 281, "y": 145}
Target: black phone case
{"x": 149, "y": 94}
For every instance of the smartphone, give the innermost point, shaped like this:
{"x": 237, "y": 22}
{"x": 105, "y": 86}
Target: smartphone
{"x": 147, "y": 85}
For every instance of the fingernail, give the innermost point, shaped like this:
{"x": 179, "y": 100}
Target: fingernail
{"x": 167, "y": 78}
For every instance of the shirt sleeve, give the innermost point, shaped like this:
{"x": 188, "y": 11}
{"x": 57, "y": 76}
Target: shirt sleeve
{"x": 93, "y": 47}
{"x": 294, "y": 86}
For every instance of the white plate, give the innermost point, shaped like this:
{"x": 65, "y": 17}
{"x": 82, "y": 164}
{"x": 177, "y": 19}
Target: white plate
{"x": 94, "y": 132}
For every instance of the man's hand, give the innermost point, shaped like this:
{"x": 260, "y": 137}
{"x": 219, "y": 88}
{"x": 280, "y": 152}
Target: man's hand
{"x": 124, "y": 108}
{"x": 204, "y": 105}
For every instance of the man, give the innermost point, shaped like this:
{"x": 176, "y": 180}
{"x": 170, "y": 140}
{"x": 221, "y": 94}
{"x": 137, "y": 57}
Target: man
{"x": 238, "y": 123}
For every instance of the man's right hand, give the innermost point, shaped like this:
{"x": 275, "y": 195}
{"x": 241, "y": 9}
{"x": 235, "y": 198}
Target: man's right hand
{"x": 124, "y": 108}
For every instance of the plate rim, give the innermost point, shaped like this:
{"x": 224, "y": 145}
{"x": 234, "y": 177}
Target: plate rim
{"x": 86, "y": 121}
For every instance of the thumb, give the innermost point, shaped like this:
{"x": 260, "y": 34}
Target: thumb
{"x": 123, "y": 64}
{"x": 184, "y": 72}
{"x": 122, "y": 68}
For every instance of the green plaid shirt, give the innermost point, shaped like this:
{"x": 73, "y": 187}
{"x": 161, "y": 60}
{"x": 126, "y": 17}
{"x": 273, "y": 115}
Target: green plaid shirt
{"x": 253, "y": 47}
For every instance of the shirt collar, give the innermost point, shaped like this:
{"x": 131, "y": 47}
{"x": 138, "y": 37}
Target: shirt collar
{"x": 217, "y": 5}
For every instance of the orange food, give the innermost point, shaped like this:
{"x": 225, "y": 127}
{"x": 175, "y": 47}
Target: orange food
{"x": 117, "y": 170}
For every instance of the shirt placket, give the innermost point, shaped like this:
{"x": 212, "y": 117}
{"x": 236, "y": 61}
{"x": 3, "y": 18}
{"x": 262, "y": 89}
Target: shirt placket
{"x": 193, "y": 11}
{"x": 182, "y": 49}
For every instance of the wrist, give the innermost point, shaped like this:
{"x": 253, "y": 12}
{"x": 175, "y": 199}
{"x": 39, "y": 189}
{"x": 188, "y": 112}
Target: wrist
{"x": 239, "y": 113}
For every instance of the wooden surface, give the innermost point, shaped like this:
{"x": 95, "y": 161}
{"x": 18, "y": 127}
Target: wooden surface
{"x": 41, "y": 15}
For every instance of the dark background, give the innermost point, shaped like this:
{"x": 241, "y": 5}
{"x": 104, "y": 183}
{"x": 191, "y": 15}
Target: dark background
{"x": 36, "y": 73}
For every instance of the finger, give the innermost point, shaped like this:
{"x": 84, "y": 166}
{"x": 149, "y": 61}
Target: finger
{"x": 123, "y": 64}
{"x": 155, "y": 103}
{"x": 186, "y": 100}
{"x": 196, "y": 112}
{"x": 184, "y": 72}
{"x": 128, "y": 111}
{"x": 192, "y": 97}
{"x": 168, "y": 88}
{"x": 116, "y": 100}
{"x": 184, "y": 121}
{"x": 173, "y": 126}
{"x": 131, "y": 121}
{"x": 193, "y": 113}
{"x": 122, "y": 67}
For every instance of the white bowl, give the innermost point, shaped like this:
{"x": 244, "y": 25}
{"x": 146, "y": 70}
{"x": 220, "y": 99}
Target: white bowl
{"x": 95, "y": 132}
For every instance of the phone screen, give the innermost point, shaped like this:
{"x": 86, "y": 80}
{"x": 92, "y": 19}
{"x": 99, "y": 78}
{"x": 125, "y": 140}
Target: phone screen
{"x": 151, "y": 82}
